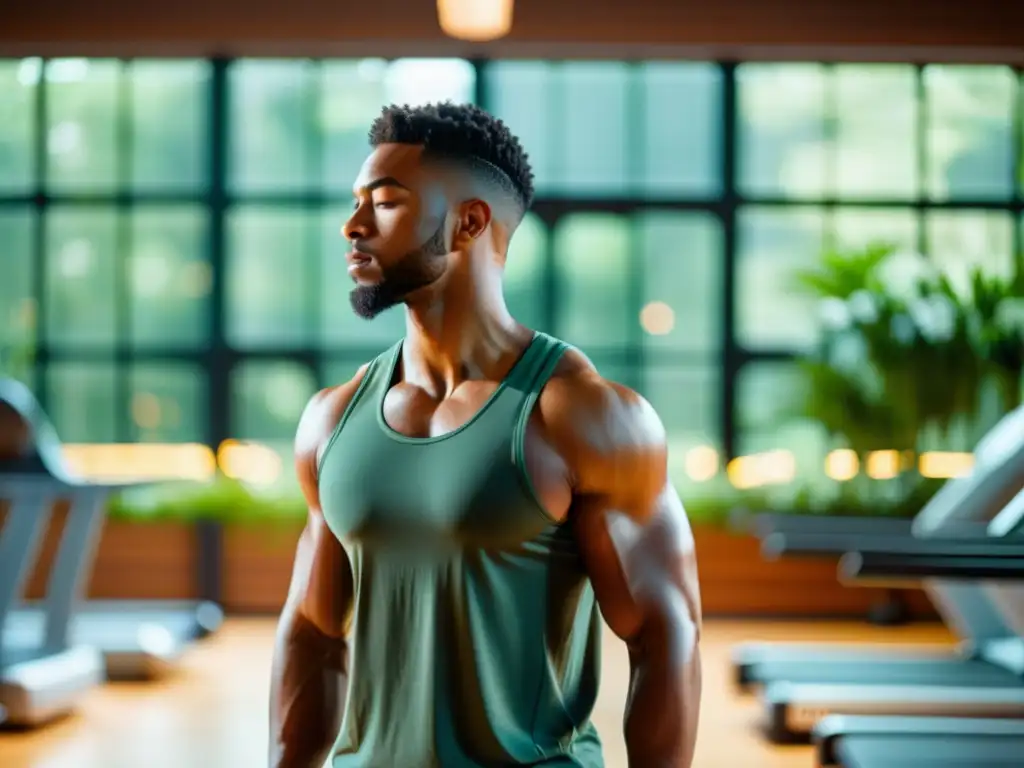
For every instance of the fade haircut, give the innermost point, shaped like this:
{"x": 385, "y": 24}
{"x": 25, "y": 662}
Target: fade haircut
{"x": 467, "y": 136}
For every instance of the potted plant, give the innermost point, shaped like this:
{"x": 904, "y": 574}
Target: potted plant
{"x": 259, "y": 529}
{"x": 907, "y": 362}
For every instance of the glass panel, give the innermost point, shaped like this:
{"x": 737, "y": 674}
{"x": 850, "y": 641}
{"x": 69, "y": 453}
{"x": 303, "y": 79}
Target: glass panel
{"x": 167, "y": 403}
{"x": 682, "y": 268}
{"x": 17, "y": 302}
{"x": 81, "y": 402}
{"x": 764, "y": 391}
{"x": 169, "y": 276}
{"x": 272, "y": 266}
{"x": 876, "y": 131}
{"x": 1020, "y": 138}
{"x": 341, "y": 328}
{"x": 355, "y": 90}
{"x": 18, "y": 82}
{"x": 81, "y": 269}
{"x": 268, "y": 397}
{"x": 682, "y": 128}
{"x": 272, "y": 116}
{"x": 959, "y": 241}
{"x": 617, "y": 371}
{"x": 593, "y": 287}
{"x": 782, "y": 147}
{"x": 688, "y": 402}
{"x": 82, "y": 114}
{"x": 352, "y": 97}
{"x": 970, "y": 131}
{"x": 855, "y": 228}
{"x": 417, "y": 82}
{"x": 521, "y": 93}
{"x": 772, "y": 244}
{"x": 594, "y": 156}
{"x": 338, "y": 370}
{"x": 170, "y": 123}
{"x": 525, "y": 272}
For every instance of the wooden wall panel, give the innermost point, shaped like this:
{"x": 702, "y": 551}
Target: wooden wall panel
{"x": 887, "y": 29}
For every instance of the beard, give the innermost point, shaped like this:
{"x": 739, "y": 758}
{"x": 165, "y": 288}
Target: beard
{"x": 413, "y": 271}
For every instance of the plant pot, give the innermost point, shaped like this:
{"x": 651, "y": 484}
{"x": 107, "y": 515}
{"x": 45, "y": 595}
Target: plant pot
{"x": 257, "y": 566}
{"x": 143, "y": 560}
{"x": 736, "y": 580}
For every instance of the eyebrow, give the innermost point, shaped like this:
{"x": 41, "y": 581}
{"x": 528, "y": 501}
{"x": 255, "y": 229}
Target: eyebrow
{"x": 384, "y": 181}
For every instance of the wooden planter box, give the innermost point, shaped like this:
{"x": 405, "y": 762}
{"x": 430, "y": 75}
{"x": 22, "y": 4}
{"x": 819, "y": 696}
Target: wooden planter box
{"x": 158, "y": 560}
{"x": 736, "y": 580}
{"x": 151, "y": 560}
{"x": 257, "y": 566}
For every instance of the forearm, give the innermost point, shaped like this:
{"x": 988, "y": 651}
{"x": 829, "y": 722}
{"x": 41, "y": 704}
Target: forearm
{"x": 663, "y": 709}
{"x": 307, "y": 693}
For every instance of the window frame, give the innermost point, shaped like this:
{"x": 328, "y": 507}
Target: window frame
{"x": 219, "y": 358}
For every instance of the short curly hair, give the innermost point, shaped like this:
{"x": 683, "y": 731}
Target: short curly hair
{"x": 461, "y": 132}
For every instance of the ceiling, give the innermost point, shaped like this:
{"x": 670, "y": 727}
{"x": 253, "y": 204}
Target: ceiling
{"x": 979, "y": 30}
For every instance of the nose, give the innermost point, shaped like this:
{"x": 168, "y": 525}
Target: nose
{"x": 357, "y": 227}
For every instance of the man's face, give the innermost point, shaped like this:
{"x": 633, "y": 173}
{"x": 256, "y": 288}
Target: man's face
{"x": 396, "y": 230}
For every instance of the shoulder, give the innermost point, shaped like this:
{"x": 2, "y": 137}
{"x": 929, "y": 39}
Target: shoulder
{"x": 319, "y": 419}
{"x": 610, "y": 437}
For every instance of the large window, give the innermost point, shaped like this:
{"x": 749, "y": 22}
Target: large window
{"x": 172, "y": 264}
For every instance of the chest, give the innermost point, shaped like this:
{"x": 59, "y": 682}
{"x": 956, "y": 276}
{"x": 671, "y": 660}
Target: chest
{"x": 462, "y": 488}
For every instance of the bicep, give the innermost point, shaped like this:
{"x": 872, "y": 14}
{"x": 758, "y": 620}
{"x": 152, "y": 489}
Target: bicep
{"x": 321, "y": 586}
{"x": 641, "y": 562}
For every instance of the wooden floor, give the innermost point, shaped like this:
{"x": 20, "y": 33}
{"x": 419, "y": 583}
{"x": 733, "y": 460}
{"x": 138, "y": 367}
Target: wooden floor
{"x": 214, "y": 713}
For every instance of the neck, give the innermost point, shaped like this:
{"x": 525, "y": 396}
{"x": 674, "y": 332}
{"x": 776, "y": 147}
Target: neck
{"x": 460, "y": 329}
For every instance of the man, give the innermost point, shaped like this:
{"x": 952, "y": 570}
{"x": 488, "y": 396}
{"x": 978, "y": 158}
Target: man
{"x": 475, "y": 494}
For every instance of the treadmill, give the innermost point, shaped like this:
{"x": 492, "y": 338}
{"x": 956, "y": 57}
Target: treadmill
{"x": 987, "y": 683}
{"x": 42, "y": 680}
{"x": 138, "y": 639}
{"x": 786, "y": 671}
{"x": 867, "y": 741}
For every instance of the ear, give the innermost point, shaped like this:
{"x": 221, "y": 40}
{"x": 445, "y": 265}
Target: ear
{"x": 474, "y": 218}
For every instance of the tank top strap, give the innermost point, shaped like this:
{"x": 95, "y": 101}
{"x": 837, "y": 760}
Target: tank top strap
{"x": 385, "y": 368}
{"x": 374, "y": 384}
{"x": 523, "y": 375}
{"x": 548, "y": 352}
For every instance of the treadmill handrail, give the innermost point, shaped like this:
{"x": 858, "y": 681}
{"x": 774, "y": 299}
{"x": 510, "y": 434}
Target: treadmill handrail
{"x": 44, "y": 462}
{"x": 1006, "y": 563}
{"x": 1010, "y": 519}
{"x": 768, "y": 523}
{"x": 58, "y": 486}
{"x": 796, "y": 543}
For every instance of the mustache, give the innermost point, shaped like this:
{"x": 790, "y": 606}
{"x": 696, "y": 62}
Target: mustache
{"x": 361, "y": 248}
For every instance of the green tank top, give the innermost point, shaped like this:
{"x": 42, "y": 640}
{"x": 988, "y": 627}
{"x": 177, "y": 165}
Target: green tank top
{"x": 475, "y": 638}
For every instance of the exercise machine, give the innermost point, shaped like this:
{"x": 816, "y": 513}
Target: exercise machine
{"x": 138, "y": 639}
{"x": 44, "y": 680}
{"x": 873, "y": 741}
{"x": 986, "y": 682}
{"x": 963, "y": 606}
{"x": 802, "y": 682}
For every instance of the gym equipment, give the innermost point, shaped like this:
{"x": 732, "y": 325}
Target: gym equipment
{"x": 865, "y": 741}
{"x": 41, "y": 681}
{"x": 766, "y": 524}
{"x": 804, "y": 682}
{"x": 855, "y": 741}
{"x": 138, "y": 639}
{"x": 989, "y": 682}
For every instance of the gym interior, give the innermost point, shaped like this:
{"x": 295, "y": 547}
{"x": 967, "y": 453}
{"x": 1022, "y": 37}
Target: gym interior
{"x": 797, "y": 229}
